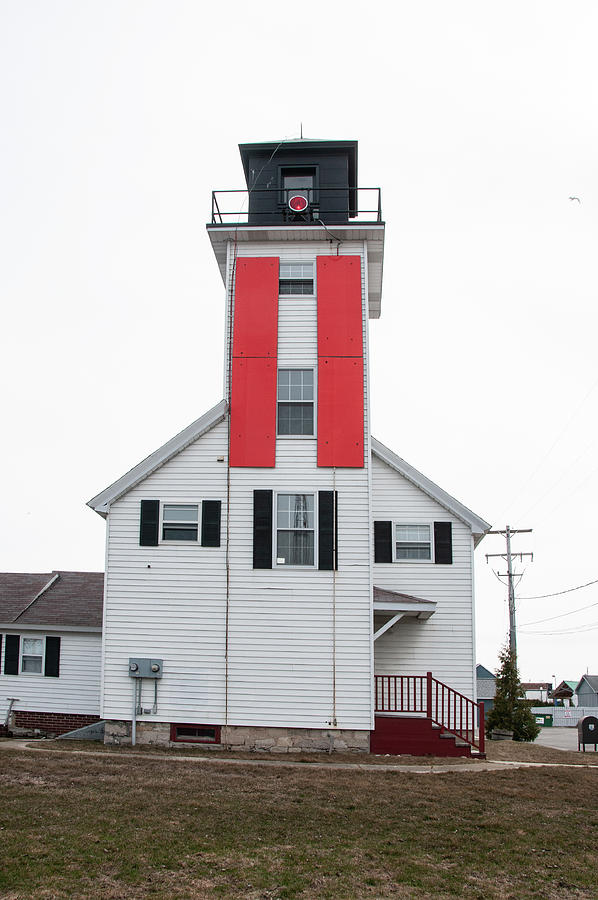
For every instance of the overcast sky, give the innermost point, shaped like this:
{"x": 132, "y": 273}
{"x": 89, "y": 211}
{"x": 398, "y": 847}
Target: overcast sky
{"x": 478, "y": 121}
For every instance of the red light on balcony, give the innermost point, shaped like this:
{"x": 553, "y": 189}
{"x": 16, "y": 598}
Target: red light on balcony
{"x": 298, "y": 203}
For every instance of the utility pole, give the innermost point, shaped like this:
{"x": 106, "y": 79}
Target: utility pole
{"x": 510, "y": 576}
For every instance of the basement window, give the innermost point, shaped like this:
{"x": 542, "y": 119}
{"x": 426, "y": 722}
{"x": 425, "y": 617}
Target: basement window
{"x": 195, "y": 734}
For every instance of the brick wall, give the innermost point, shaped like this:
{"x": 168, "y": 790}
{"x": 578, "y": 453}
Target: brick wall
{"x": 54, "y": 723}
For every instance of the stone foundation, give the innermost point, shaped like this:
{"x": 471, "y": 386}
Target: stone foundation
{"x": 248, "y": 738}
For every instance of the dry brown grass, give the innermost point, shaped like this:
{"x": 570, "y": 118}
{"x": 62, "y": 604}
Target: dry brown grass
{"x": 119, "y": 826}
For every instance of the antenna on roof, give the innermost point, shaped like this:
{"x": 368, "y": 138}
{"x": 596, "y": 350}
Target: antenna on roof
{"x": 301, "y": 127}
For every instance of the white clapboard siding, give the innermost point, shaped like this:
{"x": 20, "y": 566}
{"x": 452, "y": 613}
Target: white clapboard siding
{"x": 444, "y": 643}
{"x": 77, "y": 688}
{"x": 170, "y": 601}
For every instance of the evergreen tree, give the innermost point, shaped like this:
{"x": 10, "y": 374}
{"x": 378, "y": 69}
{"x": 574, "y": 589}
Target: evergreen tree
{"x": 510, "y": 710}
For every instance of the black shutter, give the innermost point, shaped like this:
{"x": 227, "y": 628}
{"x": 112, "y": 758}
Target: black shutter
{"x": 383, "y": 542}
{"x": 262, "y": 529}
{"x": 149, "y": 523}
{"x": 210, "y": 523}
{"x": 52, "y": 664}
{"x": 11, "y": 654}
{"x": 0, "y": 652}
{"x": 443, "y": 543}
{"x": 328, "y": 530}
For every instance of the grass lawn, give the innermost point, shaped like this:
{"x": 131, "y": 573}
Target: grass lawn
{"x": 116, "y": 826}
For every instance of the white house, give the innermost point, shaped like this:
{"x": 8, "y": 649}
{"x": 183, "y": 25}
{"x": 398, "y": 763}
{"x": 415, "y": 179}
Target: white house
{"x": 276, "y": 578}
{"x": 50, "y": 650}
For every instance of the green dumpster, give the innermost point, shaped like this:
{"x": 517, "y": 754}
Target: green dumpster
{"x": 544, "y": 719}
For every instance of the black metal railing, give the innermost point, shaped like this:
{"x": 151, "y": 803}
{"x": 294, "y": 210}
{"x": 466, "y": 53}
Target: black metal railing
{"x": 264, "y": 206}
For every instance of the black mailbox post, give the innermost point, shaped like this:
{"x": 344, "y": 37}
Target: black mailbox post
{"x": 587, "y": 732}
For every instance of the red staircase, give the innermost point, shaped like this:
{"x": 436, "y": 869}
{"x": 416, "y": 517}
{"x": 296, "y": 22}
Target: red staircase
{"x": 421, "y": 716}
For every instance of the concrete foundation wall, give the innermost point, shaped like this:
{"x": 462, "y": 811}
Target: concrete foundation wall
{"x": 247, "y": 737}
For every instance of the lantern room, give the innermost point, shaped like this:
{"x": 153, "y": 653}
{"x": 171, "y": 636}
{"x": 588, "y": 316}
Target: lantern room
{"x": 301, "y": 181}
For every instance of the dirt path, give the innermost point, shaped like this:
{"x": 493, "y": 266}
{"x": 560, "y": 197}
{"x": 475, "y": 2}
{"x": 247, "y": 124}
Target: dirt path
{"x": 432, "y": 769}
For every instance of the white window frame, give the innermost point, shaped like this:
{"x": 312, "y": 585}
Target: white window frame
{"x": 170, "y": 543}
{"x": 311, "y": 493}
{"x": 29, "y": 637}
{"x": 297, "y": 262}
{"x": 301, "y": 437}
{"x": 413, "y": 524}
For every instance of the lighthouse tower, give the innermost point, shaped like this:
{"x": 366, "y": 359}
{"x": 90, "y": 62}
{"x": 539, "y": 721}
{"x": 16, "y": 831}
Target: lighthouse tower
{"x": 302, "y": 276}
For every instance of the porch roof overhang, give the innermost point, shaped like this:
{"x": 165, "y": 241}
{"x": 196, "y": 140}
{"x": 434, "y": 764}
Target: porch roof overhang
{"x": 387, "y": 602}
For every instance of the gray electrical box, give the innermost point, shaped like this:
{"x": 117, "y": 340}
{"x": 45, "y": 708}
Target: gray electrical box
{"x": 142, "y": 667}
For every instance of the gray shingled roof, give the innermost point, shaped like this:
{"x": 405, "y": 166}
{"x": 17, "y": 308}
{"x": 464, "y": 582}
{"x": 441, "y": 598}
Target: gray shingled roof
{"x": 55, "y": 598}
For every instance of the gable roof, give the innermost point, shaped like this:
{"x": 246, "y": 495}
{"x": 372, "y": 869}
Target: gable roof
{"x": 101, "y": 502}
{"x": 591, "y": 680}
{"x": 478, "y": 526}
{"x": 482, "y": 672}
{"x": 53, "y": 599}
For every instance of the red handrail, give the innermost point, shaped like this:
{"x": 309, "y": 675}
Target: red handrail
{"x": 446, "y": 707}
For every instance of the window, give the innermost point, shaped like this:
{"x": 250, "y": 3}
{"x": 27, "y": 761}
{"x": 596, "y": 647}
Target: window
{"x": 179, "y": 522}
{"x": 195, "y": 734}
{"x": 413, "y": 542}
{"x": 32, "y": 655}
{"x": 296, "y": 279}
{"x": 296, "y": 401}
{"x": 295, "y": 530}
{"x": 298, "y": 182}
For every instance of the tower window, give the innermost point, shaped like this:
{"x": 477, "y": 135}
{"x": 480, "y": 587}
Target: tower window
{"x": 299, "y": 181}
{"x": 296, "y": 279}
{"x": 295, "y": 401}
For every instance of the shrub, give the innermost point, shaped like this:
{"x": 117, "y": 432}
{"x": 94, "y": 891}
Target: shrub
{"x": 510, "y": 710}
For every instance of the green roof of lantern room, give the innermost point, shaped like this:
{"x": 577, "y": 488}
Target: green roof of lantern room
{"x": 297, "y": 144}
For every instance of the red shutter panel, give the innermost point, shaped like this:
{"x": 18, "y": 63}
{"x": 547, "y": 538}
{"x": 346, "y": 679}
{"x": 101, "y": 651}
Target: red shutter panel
{"x": 340, "y": 412}
{"x": 340, "y": 362}
{"x": 253, "y": 377}
{"x": 253, "y": 413}
{"x": 255, "y": 331}
{"x": 340, "y": 324}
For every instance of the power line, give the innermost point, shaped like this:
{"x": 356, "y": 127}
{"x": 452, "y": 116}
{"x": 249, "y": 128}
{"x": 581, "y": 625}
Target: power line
{"x": 589, "y": 626}
{"x": 553, "y": 445}
{"x": 560, "y": 616}
{"x": 558, "y": 593}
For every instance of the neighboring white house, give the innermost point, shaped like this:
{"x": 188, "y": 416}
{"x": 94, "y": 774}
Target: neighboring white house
{"x": 50, "y": 650}
{"x": 271, "y": 559}
{"x": 536, "y": 690}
